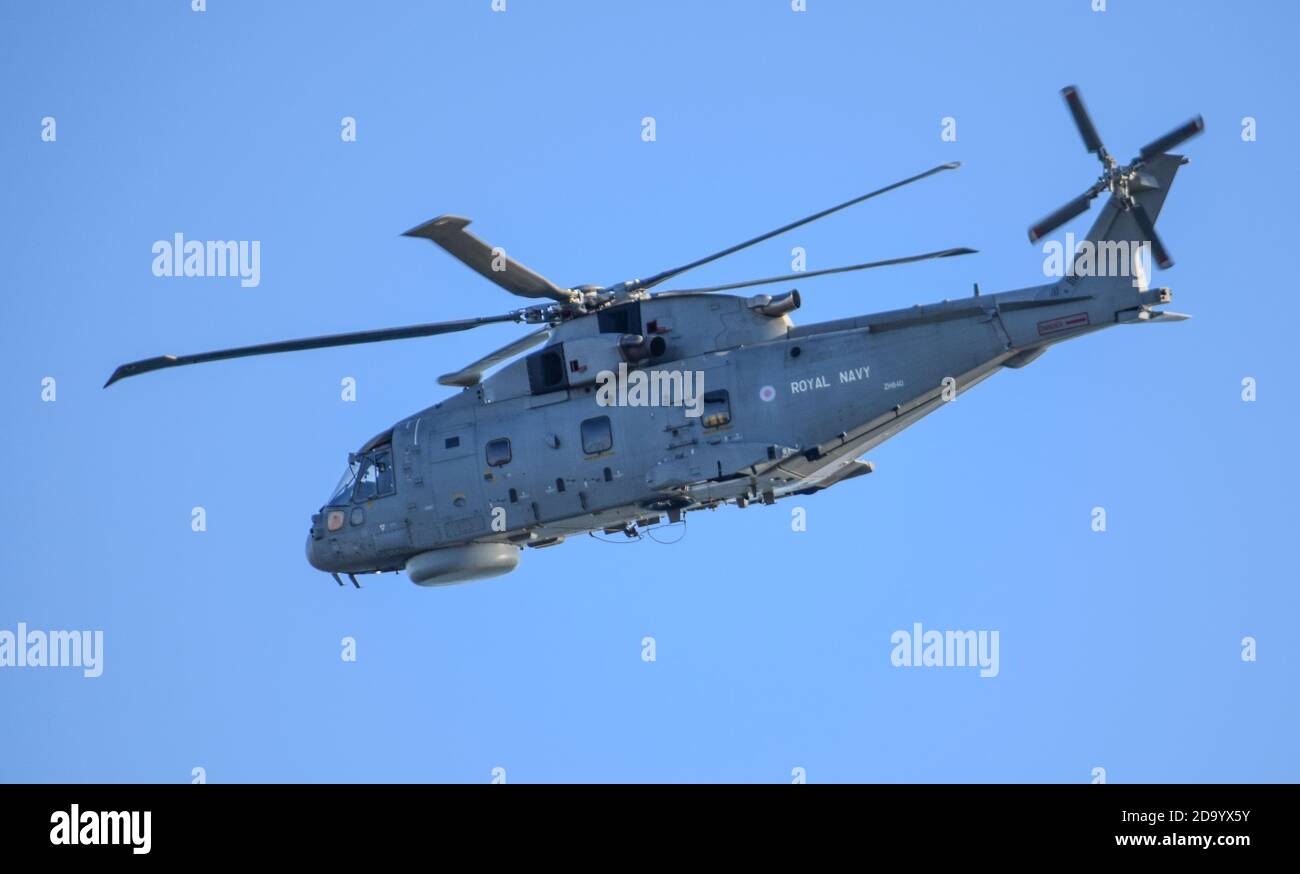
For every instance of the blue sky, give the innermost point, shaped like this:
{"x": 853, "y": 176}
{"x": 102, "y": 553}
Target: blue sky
{"x": 1118, "y": 650}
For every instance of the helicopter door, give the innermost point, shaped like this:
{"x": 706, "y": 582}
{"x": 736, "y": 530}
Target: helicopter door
{"x": 457, "y": 484}
{"x": 710, "y": 390}
{"x": 558, "y": 489}
{"x": 506, "y": 456}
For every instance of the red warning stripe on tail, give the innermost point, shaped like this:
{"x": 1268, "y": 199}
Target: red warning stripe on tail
{"x": 1064, "y": 323}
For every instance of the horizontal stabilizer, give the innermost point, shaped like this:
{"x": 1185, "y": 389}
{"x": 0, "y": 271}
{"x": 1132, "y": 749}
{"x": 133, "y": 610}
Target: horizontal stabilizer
{"x": 1141, "y": 317}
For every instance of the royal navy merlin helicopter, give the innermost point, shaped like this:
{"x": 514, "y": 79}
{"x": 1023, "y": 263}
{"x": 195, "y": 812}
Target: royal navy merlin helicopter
{"x": 530, "y": 455}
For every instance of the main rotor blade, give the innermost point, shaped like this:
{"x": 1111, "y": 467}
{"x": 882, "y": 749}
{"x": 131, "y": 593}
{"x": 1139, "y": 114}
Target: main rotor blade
{"x": 1172, "y": 139}
{"x": 1075, "y": 207}
{"x": 656, "y": 279}
{"x": 135, "y": 368}
{"x": 1081, "y": 118}
{"x": 448, "y": 231}
{"x": 1148, "y": 228}
{"x": 795, "y": 277}
{"x": 472, "y": 373}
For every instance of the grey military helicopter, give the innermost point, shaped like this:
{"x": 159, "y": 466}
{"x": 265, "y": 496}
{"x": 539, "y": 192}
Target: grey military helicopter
{"x": 537, "y": 452}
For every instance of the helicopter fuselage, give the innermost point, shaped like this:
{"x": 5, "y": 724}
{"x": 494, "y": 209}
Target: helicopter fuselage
{"x": 537, "y": 452}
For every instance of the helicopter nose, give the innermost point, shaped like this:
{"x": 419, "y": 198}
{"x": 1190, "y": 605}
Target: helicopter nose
{"x": 311, "y": 553}
{"x": 316, "y": 550}
{"x": 317, "y": 555}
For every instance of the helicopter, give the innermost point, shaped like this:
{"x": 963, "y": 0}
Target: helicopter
{"x": 736, "y": 405}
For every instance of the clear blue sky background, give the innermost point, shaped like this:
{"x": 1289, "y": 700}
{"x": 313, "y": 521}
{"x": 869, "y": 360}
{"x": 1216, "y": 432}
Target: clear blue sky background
{"x": 1119, "y": 650}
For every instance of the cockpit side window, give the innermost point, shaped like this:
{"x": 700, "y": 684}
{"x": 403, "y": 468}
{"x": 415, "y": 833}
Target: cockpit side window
{"x": 343, "y": 491}
{"x": 374, "y": 477}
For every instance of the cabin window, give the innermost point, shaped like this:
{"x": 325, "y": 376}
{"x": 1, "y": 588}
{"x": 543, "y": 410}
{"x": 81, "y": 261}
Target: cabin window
{"x": 597, "y": 436}
{"x": 717, "y": 409}
{"x": 498, "y": 452}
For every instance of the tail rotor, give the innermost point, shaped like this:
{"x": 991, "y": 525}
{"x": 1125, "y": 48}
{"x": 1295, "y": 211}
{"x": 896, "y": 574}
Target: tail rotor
{"x": 1123, "y": 181}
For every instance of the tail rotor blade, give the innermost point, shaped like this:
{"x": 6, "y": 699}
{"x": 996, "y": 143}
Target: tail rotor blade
{"x": 1075, "y": 207}
{"x": 1081, "y": 118}
{"x": 1148, "y": 228}
{"x": 1172, "y": 139}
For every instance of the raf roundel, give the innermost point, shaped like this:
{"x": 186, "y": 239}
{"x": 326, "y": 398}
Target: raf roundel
{"x": 766, "y": 393}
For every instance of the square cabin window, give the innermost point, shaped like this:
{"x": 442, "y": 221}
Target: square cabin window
{"x": 498, "y": 452}
{"x": 597, "y": 436}
{"x": 717, "y": 409}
